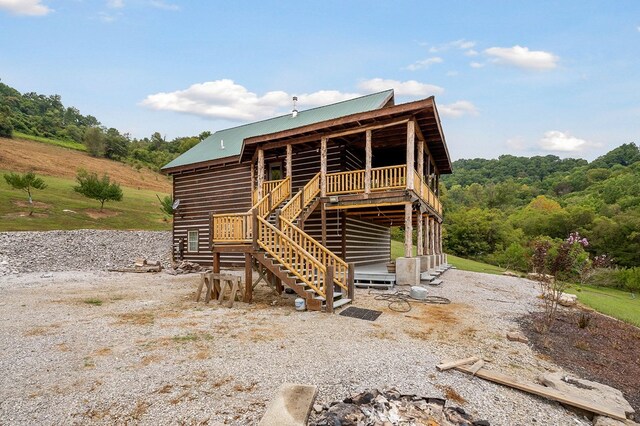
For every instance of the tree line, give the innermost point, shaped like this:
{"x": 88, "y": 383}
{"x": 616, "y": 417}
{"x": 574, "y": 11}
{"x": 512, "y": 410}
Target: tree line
{"x": 495, "y": 209}
{"x": 46, "y": 116}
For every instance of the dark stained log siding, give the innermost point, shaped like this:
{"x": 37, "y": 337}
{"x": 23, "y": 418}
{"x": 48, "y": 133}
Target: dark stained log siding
{"x": 221, "y": 189}
{"x": 367, "y": 242}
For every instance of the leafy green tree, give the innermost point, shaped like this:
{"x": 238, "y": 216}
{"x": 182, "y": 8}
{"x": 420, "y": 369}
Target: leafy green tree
{"x": 94, "y": 140}
{"x": 25, "y": 182}
{"x": 166, "y": 204}
{"x": 6, "y": 128}
{"x": 93, "y": 187}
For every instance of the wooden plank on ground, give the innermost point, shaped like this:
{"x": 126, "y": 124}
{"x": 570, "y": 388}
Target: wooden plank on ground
{"x": 573, "y": 400}
{"x": 452, "y": 364}
{"x": 477, "y": 366}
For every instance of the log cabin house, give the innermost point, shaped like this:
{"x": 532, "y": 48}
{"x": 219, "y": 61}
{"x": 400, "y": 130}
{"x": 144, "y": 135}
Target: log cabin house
{"x": 307, "y": 197}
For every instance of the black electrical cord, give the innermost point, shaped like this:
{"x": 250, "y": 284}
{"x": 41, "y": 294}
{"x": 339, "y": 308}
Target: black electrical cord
{"x": 401, "y": 300}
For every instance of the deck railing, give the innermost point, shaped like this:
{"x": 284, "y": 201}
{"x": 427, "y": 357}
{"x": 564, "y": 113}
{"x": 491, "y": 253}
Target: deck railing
{"x": 237, "y": 227}
{"x": 426, "y": 193}
{"x": 302, "y": 199}
{"x": 231, "y": 228}
{"x": 382, "y": 179}
{"x": 318, "y": 251}
{"x": 292, "y": 256}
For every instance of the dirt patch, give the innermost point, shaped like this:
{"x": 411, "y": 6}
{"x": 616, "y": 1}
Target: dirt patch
{"x": 35, "y": 205}
{"x": 49, "y": 160}
{"x": 26, "y": 214}
{"x": 606, "y": 351}
{"x": 97, "y": 214}
{"x": 137, "y": 318}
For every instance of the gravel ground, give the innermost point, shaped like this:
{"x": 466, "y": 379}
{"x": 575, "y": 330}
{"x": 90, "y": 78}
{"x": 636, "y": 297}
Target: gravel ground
{"x": 80, "y": 250}
{"x": 104, "y": 348}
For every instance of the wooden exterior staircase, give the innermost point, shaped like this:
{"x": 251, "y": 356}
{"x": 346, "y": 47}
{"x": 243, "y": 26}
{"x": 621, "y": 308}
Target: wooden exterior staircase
{"x": 299, "y": 261}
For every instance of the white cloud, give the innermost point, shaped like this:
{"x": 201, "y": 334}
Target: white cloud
{"x": 160, "y": 4}
{"x": 457, "y": 44}
{"x": 458, "y": 109}
{"x": 555, "y": 140}
{"x": 425, "y": 63}
{"x": 476, "y": 65}
{"x": 471, "y": 52}
{"x": 224, "y": 99}
{"x": 115, "y": 4}
{"x": 402, "y": 88}
{"x": 522, "y": 57}
{"x": 452, "y": 73}
{"x": 25, "y": 7}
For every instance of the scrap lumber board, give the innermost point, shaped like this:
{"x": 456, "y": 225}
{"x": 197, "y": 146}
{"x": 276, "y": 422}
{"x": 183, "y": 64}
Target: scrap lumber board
{"x": 291, "y": 405}
{"x": 563, "y": 397}
{"x": 449, "y": 365}
{"x": 477, "y": 366}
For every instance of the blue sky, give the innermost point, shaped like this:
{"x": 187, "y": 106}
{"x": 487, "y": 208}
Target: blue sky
{"x": 520, "y": 78}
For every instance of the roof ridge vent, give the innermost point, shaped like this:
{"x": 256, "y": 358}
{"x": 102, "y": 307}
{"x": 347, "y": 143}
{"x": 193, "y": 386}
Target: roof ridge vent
{"x": 294, "y": 112}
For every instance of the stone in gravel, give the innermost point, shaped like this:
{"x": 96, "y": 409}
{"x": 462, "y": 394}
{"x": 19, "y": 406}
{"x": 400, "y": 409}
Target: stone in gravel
{"x": 516, "y": 336}
{"x": 509, "y": 274}
{"x": 592, "y": 391}
{"x": 567, "y": 299}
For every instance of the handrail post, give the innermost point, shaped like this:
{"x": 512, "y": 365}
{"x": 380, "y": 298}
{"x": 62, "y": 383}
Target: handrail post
{"x": 278, "y": 220}
{"x": 328, "y": 288}
{"x": 254, "y": 220}
{"x": 351, "y": 293}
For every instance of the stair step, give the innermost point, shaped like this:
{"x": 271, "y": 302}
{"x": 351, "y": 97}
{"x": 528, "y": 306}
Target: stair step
{"x": 436, "y": 282}
{"x": 335, "y": 296}
{"x": 341, "y": 302}
{"x": 425, "y": 276}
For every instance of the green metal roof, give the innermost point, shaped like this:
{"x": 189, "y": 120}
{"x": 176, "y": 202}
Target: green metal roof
{"x": 228, "y": 143}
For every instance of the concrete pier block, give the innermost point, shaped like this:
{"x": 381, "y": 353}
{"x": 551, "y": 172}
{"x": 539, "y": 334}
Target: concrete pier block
{"x": 408, "y": 270}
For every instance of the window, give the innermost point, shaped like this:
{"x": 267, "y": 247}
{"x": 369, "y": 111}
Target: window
{"x": 275, "y": 171}
{"x": 192, "y": 238}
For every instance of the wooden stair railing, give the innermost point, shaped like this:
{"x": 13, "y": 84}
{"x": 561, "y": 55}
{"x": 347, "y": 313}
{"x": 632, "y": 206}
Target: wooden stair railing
{"x": 267, "y": 187}
{"x": 238, "y": 227}
{"x": 292, "y": 256}
{"x": 325, "y": 256}
{"x": 302, "y": 199}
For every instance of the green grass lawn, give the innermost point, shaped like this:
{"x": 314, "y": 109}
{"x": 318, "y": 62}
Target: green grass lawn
{"x": 63, "y": 143}
{"x": 473, "y": 266}
{"x": 139, "y": 209}
{"x": 616, "y": 303}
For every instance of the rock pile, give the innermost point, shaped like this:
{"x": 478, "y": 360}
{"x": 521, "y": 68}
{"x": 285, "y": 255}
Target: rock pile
{"x": 390, "y": 407}
{"x": 185, "y": 267}
{"x": 80, "y": 250}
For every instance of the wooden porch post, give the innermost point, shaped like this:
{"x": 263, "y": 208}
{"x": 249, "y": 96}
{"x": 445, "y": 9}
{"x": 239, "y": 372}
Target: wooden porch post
{"x": 248, "y": 278}
{"x": 260, "y": 172}
{"x": 437, "y": 188}
{"x": 437, "y": 237}
{"x": 367, "y": 163}
{"x": 288, "y": 165}
{"x": 411, "y": 135}
{"x": 420, "y": 234}
{"x": 323, "y": 167}
{"x": 408, "y": 229}
{"x": 432, "y": 236}
{"x": 323, "y": 219}
{"x": 253, "y": 181}
{"x": 426, "y": 235}
{"x": 421, "y": 159}
{"x": 328, "y": 287}
{"x": 440, "y": 238}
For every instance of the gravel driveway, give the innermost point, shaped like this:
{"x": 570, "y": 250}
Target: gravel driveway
{"x": 105, "y": 348}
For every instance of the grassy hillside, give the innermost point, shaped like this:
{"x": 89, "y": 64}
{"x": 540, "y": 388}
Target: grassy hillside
{"x": 60, "y": 207}
{"x": 44, "y": 159}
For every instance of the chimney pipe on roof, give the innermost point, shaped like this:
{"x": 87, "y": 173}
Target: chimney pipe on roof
{"x": 294, "y": 113}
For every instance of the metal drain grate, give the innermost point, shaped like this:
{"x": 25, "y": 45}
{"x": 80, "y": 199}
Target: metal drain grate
{"x": 360, "y": 313}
